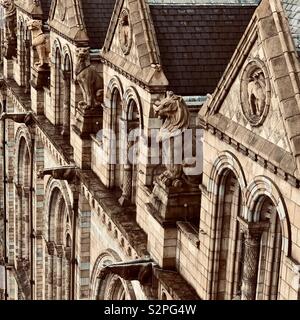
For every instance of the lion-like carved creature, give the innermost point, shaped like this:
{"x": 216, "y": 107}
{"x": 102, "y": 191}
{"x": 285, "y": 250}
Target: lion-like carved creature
{"x": 10, "y": 18}
{"x": 40, "y": 41}
{"x": 90, "y": 81}
{"x": 175, "y": 113}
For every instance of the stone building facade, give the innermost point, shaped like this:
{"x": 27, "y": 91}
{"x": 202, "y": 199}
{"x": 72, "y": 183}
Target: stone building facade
{"x": 95, "y": 95}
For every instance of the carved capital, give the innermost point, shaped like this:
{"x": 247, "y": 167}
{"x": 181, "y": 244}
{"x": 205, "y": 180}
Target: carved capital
{"x": 60, "y": 251}
{"x": 51, "y": 246}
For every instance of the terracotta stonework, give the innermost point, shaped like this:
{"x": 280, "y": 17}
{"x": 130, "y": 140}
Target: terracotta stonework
{"x": 151, "y": 150}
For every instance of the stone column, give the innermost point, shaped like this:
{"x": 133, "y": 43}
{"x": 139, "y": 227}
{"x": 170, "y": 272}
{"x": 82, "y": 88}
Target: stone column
{"x": 252, "y": 235}
{"x": 68, "y": 257}
{"x": 27, "y": 66}
{"x": 51, "y": 270}
{"x": 251, "y": 259}
{"x": 66, "y": 108}
{"x": 60, "y": 271}
{"x": 125, "y": 200}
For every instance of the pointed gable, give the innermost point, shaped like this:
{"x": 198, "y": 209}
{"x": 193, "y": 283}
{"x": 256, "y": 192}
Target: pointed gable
{"x": 192, "y": 40}
{"x": 37, "y": 9}
{"x": 82, "y": 21}
{"x": 277, "y": 137}
{"x": 66, "y": 17}
{"x": 141, "y": 60}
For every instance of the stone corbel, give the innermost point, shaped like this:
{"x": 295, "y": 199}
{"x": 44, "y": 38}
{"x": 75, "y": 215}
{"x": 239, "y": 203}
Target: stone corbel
{"x": 139, "y": 270}
{"x": 68, "y": 173}
{"x": 26, "y": 118}
{"x": 51, "y": 246}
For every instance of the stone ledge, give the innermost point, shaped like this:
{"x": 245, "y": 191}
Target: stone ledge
{"x": 176, "y": 285}
{"x": 123, "y": 218}
{"x": 257, "y": 148}
{"x": 187, "y": 229}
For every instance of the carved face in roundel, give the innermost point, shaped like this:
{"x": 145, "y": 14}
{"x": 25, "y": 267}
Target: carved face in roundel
{"x": 255, "y": 93}
{"x": 125, "y": 32}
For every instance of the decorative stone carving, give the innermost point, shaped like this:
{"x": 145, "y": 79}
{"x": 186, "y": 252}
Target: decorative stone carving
{"x": 90, "y": 81}
{"x": 139, "y": 271}
{"x": 174, "y": 111}
{"x": 125, "y": 32}
{"x": 62, "y": 173}
{"x": 25, "y": 118}
{"x": 41, "y": 42}
{"x": 255, "y": 92}
{"x": 9, "y": 46}
{"x": 252, "y": 233}
{"x": 10, "y": 18}
{"x": 51, "y": 246}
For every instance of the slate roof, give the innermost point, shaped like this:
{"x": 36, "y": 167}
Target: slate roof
{"x": 196, "y": 41}
{"x": 97, "y": 15}
{"x": 292, "y": 9}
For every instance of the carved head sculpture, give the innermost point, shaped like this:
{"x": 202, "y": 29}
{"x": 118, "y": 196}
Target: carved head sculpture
{"x": 10, "y": 19}
{"x": 8, "y": 5}
{"x": 89, "y": 80}
{"x": 35, "y": 25}
{"x": 173, "y": 110}
{"x": 83, "y": 55}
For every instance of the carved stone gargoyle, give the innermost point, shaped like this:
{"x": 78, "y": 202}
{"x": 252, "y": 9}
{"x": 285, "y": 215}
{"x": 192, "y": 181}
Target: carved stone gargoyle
{"x": 10, "y": 28}
{"x": 89, "y": 80}
{"x": 25, "y": 118}
{"x": 139, "y": 270}
{"x": 41, "y": 42}
{"x": 173, "y": 110}
{"x": 67, "y": 173}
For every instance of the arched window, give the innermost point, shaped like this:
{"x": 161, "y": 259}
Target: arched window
{"x": 59, "y": 247}
{"x": 23, "y": 188}
{"x": 228, "y": 238}
{"x": 270, "y": 250}
{"x": 132, "y": 152}
{"x": 66, "y": 74}
{"x": 117, "y": 163}
{"x": 58, "y": 89}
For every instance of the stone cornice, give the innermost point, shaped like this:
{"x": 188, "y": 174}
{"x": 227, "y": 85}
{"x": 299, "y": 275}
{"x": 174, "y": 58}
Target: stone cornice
{"x": 136, "y": 78}
{"x": 78, "y": 43}
{"x": 260, "y": 150}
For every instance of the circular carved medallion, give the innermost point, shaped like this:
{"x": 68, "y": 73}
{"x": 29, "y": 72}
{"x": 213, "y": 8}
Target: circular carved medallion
{"x": 125, "y": 32}
{"x": 255, "y": 92}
